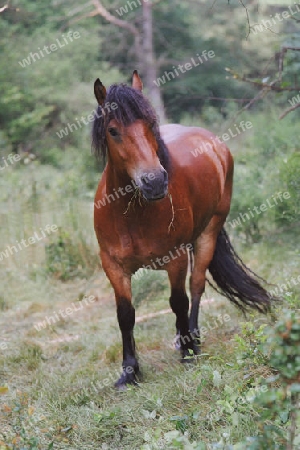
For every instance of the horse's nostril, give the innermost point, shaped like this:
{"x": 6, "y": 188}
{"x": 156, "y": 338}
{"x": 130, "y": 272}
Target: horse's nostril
{"x": 145, "y": 179}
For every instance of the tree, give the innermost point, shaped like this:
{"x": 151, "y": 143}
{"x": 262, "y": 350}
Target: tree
{"x": 142, "y": 43}
{"x": 283, "y": 78}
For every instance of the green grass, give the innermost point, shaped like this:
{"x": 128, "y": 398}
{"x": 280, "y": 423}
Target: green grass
{"x": 69, "y": 382}
{"x": 57, "y": 383}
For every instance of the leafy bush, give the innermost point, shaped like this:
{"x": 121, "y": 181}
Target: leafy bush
{"x": 289, "y": 177}
{"x": 23, "y": 423}
{"x": 279, "y": 406}
{"x": 68, "y": 257}
{"x": 268, "y": 164}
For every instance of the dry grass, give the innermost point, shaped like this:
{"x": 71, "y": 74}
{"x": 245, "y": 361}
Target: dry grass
{"x": 57, "y": 383}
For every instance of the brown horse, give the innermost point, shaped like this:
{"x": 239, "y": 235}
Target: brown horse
{"x": 156, "y": 204}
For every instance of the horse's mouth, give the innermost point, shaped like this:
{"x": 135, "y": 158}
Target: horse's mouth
{"x": 154, "y": 198}
{"x": 153, "y": 186}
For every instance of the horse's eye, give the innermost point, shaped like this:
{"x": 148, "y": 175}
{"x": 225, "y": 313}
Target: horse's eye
{"x": 113, "y": 132}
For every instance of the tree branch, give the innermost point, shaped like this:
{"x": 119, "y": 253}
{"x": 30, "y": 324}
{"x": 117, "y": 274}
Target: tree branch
{"x": 102, "y": 11}
{"x": 270, "y": 86}
{"x": 267, "y": 87}
{"x": 247, "y": 16}
{"x": 287, "y": 111}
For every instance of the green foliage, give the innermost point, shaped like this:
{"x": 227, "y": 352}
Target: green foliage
{"x": 280, "y": 405}
{"x": 23, "y": 424}
{"x": 29, "y": 356}
{"x": 284, "y": 342}
{"x": 267, "y": 166}
{"x": 211, "y": 404}
{"x": 250, "y": 344}
{"x": 68, "y": 257}
{"x": 42, "y": 98}
{"x": 148, "y": 284}
{"x": 45, "y": 96}
{"x": 171, "y": 440}
{"x": 289, "y": 176}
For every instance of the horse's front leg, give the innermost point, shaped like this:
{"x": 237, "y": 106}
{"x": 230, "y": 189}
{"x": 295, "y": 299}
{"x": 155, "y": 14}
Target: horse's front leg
{"x": 121, "y": 283}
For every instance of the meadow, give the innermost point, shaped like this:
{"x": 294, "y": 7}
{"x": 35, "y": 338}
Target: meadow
{"x": 60, "y": 342}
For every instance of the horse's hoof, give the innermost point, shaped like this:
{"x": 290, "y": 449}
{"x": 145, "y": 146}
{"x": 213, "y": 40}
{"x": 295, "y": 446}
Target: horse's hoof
{"x": 197, "y": 349}
{"x": 188, "y": 360}
{"x": 125, "y": 380}
{"x": 187, "y": 357}
{"x": 122, "y": 387}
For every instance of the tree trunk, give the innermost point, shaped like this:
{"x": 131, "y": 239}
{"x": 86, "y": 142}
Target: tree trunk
{"x": 143, "y": 45}
{"x": 149, "y": 69}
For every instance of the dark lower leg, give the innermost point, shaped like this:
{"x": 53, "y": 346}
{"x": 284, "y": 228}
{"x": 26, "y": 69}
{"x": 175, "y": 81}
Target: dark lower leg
{"x": 194, "y": 327}
{"x": 126, "y": 319}
{"x": 179, "y": 303}
{"x": 197, "y": 285}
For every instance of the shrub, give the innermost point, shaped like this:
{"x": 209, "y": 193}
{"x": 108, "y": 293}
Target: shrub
{"x": 279, "y": 406}
{"x": 68, "y": 258}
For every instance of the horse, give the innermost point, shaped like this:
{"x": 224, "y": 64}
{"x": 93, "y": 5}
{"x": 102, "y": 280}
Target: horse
{"x": 160, "y": 207}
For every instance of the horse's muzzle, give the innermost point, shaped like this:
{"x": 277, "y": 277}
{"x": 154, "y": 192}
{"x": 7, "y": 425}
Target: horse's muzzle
{"x": 154, "y": 185}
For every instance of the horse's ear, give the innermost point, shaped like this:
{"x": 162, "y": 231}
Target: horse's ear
{"x": 99, "y": 91}
{"x": 136, "y": 81}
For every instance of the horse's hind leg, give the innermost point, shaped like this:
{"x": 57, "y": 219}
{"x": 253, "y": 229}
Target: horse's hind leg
{"x": 204, "y": 248}
{"x": 179, "y": 302}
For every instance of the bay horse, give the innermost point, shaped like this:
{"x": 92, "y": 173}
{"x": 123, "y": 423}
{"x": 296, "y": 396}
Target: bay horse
{"x": 156, "y": 199}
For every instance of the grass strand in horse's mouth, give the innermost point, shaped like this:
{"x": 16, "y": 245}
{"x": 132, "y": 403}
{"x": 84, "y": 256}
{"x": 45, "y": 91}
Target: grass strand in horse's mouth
{"x": 136, "y": 195}
{"x": 173, "y": 214}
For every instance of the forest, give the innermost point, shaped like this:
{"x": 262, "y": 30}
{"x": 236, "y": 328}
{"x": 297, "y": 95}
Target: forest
{"x": 230, "y": 66}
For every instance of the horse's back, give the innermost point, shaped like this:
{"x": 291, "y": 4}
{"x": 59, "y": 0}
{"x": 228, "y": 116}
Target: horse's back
{"x": 191, "y": 142}
{"x": 197, "y": 150}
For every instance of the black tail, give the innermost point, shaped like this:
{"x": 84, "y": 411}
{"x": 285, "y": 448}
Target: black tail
{"x": 235, "y": 280}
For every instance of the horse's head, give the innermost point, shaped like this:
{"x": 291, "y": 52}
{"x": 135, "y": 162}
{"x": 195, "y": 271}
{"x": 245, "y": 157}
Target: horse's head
{"x": 126, "y": 129}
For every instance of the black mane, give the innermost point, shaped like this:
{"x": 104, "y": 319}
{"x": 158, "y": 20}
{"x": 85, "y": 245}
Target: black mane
{"x": 131, "y": 106}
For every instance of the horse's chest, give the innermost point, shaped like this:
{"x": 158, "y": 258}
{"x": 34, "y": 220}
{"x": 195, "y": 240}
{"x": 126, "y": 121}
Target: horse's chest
{"x": 143, "y": 233}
